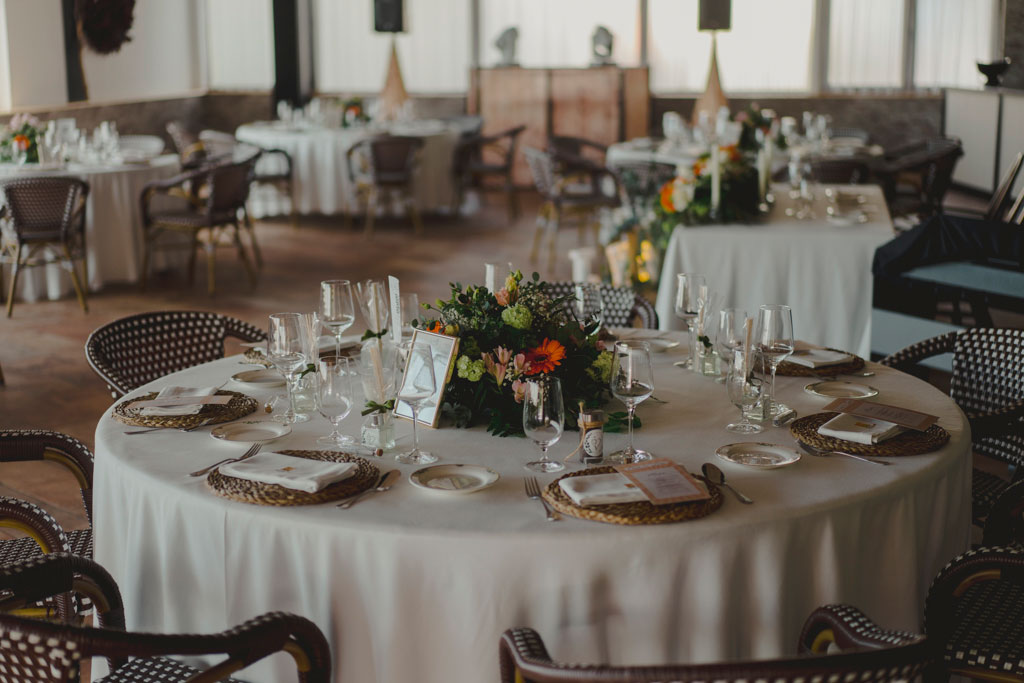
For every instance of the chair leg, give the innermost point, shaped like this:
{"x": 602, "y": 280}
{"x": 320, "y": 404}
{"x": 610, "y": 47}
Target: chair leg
{"x": 14, "y": 280}
{"x": 553, "y": 239}
{"x": 245, "y": 258}
{"x": 79, "y": 290}
{"x": 2, "y": 380}
{"x": 146, "y": 245}
{"x": 211, "y": 263}
{"x": 513, "y": 203}
{"x": 538, "y": 234}
{"x": 371, "y": 210}
{"x": 414, "y": 214}
{"x": 257, "y": 254}
{"x": 192, "y": 259}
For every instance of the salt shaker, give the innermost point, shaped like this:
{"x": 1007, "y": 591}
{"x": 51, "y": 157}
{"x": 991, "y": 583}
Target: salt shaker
{"x": 591, "y": 424}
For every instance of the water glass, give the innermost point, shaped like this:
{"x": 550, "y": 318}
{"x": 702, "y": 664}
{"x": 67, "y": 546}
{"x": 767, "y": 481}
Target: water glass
{"x": 410, "y": 311}
{"x": 632, "y": 382}
{"x": 374, "y": 303}
{"x": 587, "y": 306}
{"x": 416, "y": 386}
{"x": 334, "y": 397}
{"x": 688, "y": 286}
{"x": 284, "y": 350}
{"x": 729, "y": 336}
{"x": 337, "y": 311}
{"x": 544, "y": 419}
{"x": 744, "y": 389}
{"x": 773, "y": 339}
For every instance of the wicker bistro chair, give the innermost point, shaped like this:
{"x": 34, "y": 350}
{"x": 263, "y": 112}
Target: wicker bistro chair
{"x": 915, "y": 177}
{"x": 45, "y": 534}
{"x": 974, "y": 614}
{"x": 388, "y": 166}
{"x": 642, "y": 181}
{"x": 578, "y": 196}
{"x": 274, "y": 168}
{"x": 839, "y": 171}
{"x": 877, "y": 656}
{"x": 33, "y": 651}
{"x": 622, "y": 306}
{"x": 1004, "y": 525}
{"x": 45, "y": 223}
{"x": 132, "y": 351}
{"x": 191, "y": 150}
{"x": 988, "y": 385}
{"x": 479, "y": 157}
{"x": 211, "y": 220}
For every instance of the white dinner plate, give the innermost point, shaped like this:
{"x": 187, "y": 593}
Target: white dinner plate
{"x": 763, "y": 455}
{"x": 251, "y": 431}
{"x": 259, "y": 379}
{"x": 347, "y": 341}
{"x": 839, "y": 389}
{"x": 454, "y": 478}
{"x": 658, "y": 341}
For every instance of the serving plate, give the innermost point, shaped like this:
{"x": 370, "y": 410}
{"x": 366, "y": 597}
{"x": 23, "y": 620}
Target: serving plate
{"x": 840, "y": 389}
{"x": 259, "y": 379}
{"x": 761, "y": 455}
{"x": 251, "y": 431}
{"x": 454, "y": 478}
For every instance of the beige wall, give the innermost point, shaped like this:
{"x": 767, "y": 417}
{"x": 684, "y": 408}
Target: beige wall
{"x": 35, "y": 52}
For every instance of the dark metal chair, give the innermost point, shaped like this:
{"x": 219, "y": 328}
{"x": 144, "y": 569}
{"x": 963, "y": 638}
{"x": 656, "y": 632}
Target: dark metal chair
{"x": 623, "y": 307}
{"x": 988, "y": 385}
{"x": 974, "y": 615}
{"x": 915, "y": 177}
{"x": 998, "y": 208}
{"x": 839, "y": 171}
{"x": 35, "y": 651}
{"x": 869, "y": 655}
{"x": 642, "y": 181}
{"x": 479, "y": 157}
{"x": 210, "y": 218}
{"x": 44, "y": 216}
{"x": 385, "y": 164}
{"x": 571, "y": 150}
{"x": 132, "y": 351}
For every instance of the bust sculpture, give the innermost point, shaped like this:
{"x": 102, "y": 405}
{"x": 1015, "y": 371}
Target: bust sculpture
{"x": 601, "y": 44}
{"x": 506, "y": 43}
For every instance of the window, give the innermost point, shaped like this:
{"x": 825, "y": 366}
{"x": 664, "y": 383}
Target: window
{"x": 240, "y": 44}
{"x": 433, "y": 52}
{"x": 865, "y": 43}
{"x": 768, "y": 48}
{"x": 950, "y": 37}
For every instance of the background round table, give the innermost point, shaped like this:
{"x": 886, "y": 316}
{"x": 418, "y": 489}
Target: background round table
{"x": 416, "y": 585}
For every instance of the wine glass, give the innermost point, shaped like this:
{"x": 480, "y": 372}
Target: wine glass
{"x": 587, "y": 305}
{"x": 688, "y": 286}
{"x": 284, "y": 350}
{"x": 632, "y": 382}
{"x": 773, "y": 335}
{"x": 543, "y": 419}
{"x": 416, "y": 386}
{"x": 730, "y": 336}
{"x": 744, "y": 389}
{"x": 410, "y": 311}
{"x": 337, "y": 312}
{"x": 373, "y": 302}
{"x": 334, "y": 398}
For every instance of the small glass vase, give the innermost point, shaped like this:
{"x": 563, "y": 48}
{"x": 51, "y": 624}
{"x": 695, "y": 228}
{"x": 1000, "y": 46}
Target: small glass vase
{"x": 379, "y": 431}
{"x": 304, "y": 397}
{"x": 706, "y": 360}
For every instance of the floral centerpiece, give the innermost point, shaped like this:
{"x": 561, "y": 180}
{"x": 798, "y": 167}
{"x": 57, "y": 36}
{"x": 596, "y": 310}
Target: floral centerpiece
{"x": 687, "y": 198}
{"x": 19, "y": 139}
{"x": 353, "y": 112}
{"x": 521, "y": 332}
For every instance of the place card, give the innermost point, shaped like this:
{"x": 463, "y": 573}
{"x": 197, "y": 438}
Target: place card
{"x": 663, "y": 481}
{"x": 904, "y": 417}
{"x": 396, "y": 309}
{"x": 181, "y": 401}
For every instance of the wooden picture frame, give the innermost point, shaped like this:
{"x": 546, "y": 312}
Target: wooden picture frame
{"x": 444, "y": 350}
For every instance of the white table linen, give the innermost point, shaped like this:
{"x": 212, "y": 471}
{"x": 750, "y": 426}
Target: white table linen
{"x": 822, "y": 270}
{"x": 417, "y": 585}
{"x": 321, "y": 181}
{"x": 113, "y": 226}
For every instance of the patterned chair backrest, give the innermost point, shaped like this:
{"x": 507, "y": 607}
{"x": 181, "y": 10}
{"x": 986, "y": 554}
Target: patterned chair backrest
{"x": 643, "y": 180}
{"x": 988, "y": 368}
{"x": 28, "y": 657}
{"x": 622, "y": 306}
{"x": 392, "y": 158}
{"x": 132, "y": 351}
{"x": 44, "y": 208}
{"x": 542, "y": 168}
{"x": 229, "y": 185}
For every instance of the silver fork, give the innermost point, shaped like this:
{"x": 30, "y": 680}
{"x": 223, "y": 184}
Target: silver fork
{"x": 533, "y": 493}
{"x": 180, "y": 429}
{"x": 253, "y": 450}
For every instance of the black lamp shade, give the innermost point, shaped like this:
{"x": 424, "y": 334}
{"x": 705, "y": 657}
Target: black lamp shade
{"x": 715, "y": 15}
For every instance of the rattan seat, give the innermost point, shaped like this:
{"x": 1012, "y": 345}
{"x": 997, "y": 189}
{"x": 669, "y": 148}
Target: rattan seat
{"x": 622, "y": 306}
{"x": 154, "y": 670}
{"x": 985, "y": 489}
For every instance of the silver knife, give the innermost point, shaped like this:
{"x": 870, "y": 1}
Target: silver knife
{"x": 384, "y": 484}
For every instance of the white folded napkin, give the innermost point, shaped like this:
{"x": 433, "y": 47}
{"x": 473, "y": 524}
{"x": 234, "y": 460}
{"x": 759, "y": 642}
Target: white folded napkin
{"x": 301, "y": 474}
{"x": 818, "y": 358}
{"x": 601, "y": 489}
{"x": 637, "y": 333}
{"x": 175, "y": 392}
{"x": 859, "y": 429}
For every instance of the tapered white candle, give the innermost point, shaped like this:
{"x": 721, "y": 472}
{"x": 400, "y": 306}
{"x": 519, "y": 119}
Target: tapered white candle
{"x": 716, "y": 179}
{"x": 489, "y": 277}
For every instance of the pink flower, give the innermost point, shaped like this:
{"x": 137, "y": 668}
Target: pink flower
{"x": 520, "y": 364}
{"x": 519, "y": 389}
{"x": 496, "y": 370}
{"x": 503, "y": 355}
{"x": 504, "y": 297}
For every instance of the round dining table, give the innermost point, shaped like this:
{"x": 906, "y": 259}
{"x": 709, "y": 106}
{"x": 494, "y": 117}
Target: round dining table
{"x": 412, "y": 584}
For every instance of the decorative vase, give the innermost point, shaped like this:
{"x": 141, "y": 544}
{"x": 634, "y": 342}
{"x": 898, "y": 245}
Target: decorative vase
{"x": 379, "y": 431}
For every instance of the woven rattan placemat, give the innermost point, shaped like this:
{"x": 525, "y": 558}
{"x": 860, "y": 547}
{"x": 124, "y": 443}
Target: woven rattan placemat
{"x": 910, "y": 442}
{"x": 642, "y": 512}
{"x": 245, "y": 491}
{"x": 788, "y": 369}
{"x": 240, "y": 405}
{"x": 257, "y": 357}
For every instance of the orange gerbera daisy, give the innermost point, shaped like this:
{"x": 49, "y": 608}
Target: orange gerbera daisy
{"x": 545, "y": 357}
{"x": 666, "y": 197}
{"x": 436, "y": 327}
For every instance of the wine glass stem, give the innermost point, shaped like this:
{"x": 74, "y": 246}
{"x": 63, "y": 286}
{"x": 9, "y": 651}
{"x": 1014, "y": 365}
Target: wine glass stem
{"x": 771, "y": 389}
{"x": 630, "y": 407}
{"x": 291, "y": 386}
{"x": 415, "y": 435}
{"x": 544, "y": 453}
{"x": 337, "y": 345}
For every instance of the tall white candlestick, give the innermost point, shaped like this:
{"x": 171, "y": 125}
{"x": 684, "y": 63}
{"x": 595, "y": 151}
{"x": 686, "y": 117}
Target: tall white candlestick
{"x": 716, "y": 179}
{"x": 489, "y": 277}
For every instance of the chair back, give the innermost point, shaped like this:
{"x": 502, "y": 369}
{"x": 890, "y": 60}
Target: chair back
{"x": 20, "y": 445}
{"x": 132, "y": 351}
{"x": 642, "y": 181}
{"x": 46, "y": 208}
{"x": 839, "y": 171}
{"x": 542, "y": 168}
{"x": 217, "y": 143}
{"x": 987, "y": 369}
{"x": 622, "y": 306}
{"x": 189, "y": 148}
{"x": 229, "y": 185}
{"x": 858, "y": 134}
{"x": 997, "y": 205}
{"x": 393, "y": 158}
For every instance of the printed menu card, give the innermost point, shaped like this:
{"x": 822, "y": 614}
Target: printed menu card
{"x": 663, "y": 481}
{"x": 904, "y": 417}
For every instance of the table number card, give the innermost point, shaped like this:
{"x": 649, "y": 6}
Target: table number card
{"x": 396, "y": 309}
{"x": 663, "y": 481}
{"x": 911, "y": 419}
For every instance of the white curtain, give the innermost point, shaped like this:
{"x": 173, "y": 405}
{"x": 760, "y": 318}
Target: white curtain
{"x": 950, "y": 37}
{"x": 865, "y": 43}
{"x": 768, "y": 48}
{"x": 558, "y": 32}
{"x": 433, "y": 51}
{"x": 240, "y": 44}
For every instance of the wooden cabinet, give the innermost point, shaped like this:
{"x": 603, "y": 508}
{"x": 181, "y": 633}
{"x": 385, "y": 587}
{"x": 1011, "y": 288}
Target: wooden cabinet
{"x": 990, "y": 123}
{"x": 605, "y": 104}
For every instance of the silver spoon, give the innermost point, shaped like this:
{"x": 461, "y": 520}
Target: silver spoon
{"x": 386, "y": 482}
{"x": 717, "y": 477}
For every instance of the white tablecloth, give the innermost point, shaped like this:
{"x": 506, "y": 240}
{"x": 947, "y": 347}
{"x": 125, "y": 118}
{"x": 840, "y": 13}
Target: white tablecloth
{"x": 821, "y": 269}
{"x": 113, "y": 226}
{"x": 417, "y": 586}
{"x": 321, "y": 182}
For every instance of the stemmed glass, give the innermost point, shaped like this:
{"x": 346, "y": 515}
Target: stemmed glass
{"x": 334, "y": 398}
{"x": 337, "y": 312}
{"x": 744, "y": 390}
{"x": 416, "y": 386}
{"x": 687, "y": 294}
{"x": 373, "y": 301}
{"x": 774, "y": 341}
{"x": 410, "y": 311}
{"x": 730, "y": 336}
{"x": 543, "y": 419}
{"x": 284, "y": 350}
{"x": 587, "y": 305}
{"x": 632, "y": 382}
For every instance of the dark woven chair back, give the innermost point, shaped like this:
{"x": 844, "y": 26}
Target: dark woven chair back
{"x": 642, "y": 181}
{"x": 839, "y": 171}
{"x": 997, "y": 206}
{"x": 229, "y": 185}
{"x": 622, "y": 306}
{"x": 392, "y": 158}
{"x": 45, "y": 208}
{"x": 188, "y": 145}
{"x": 542, "y": 168}
{"x": 988, "y": 369}
{"x": 850, "y": 133}
{"x": 132, "y": 351}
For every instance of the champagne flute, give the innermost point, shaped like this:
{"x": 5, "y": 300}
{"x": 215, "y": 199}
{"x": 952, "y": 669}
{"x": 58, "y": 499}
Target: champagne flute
{"x": 284, "y": 350}
{"x": 337, "y": 312}
{"x": 632, "y": 382}
{"x": 416, "y": 386}
{"x": 373, "y": 301}
{"x": 688, "y": 287}
{"x": 744, "y": 390}
{"x": 334, "y": 398}
{"x": 730, "y": 336}
{"x": 774, "y": 341}
{"x": 410, "y": 311}
{"x": 588, "y": 306}
{"x": 543, "y": 419}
